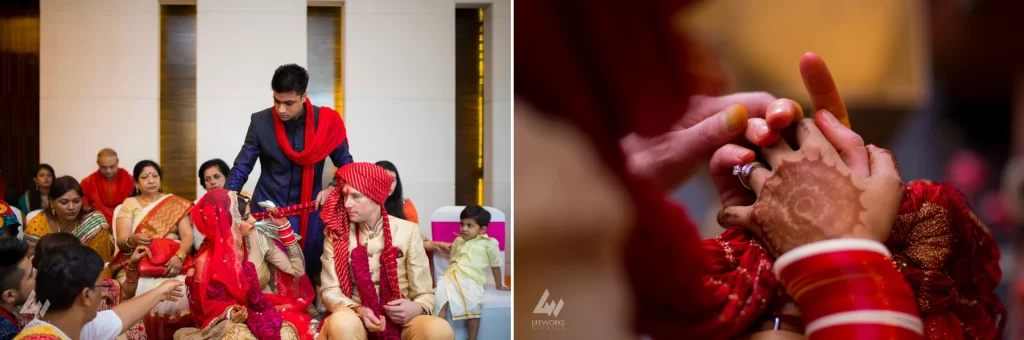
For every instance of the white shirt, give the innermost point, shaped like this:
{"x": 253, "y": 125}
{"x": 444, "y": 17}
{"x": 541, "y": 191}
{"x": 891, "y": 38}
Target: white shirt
{"x": 106, "y": 326}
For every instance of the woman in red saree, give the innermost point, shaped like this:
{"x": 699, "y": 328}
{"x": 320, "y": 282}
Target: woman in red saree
{"x": 226, "y": 298}
{"x": 160, "y": 222}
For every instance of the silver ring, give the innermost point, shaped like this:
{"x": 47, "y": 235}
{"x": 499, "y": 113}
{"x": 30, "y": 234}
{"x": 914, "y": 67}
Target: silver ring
{"x": 743, "y": 172}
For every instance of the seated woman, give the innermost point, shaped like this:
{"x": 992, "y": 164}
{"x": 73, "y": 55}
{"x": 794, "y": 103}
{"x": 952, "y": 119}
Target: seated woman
{"x": 66, "y": 215}
{"x": 160, "y": 222}
{"x": 226, "y": 298}
{"x": 35, "y": 197}
{"x": 114, "y": 291}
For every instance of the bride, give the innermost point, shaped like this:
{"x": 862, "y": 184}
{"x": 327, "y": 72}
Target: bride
{"x": 226, "y": 296}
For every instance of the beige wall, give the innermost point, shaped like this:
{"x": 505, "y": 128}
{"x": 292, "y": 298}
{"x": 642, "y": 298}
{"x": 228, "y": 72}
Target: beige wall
{"x": 399, "y": 84}
{"x": 400, "y": 93}
{"x": 95, "y": 90}
{"x": 239, "y": 45}
{"x": 498, "y": 112}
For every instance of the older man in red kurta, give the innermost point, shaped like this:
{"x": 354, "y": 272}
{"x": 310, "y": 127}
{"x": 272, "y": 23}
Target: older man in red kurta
{"x": 106, "y": 188}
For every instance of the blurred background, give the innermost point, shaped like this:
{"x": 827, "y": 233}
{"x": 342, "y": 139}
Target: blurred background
{"x": 940, "y": 83}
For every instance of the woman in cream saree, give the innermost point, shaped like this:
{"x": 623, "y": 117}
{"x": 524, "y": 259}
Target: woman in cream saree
{"x": 161, "y": 223}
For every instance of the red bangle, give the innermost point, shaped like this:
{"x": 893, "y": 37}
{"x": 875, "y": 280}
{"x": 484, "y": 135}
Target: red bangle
{"x": 289, "y": 238}
{"x": 849, "y": 289}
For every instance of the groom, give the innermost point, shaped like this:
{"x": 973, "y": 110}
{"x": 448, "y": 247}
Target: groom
{"x": 292, "y": 139}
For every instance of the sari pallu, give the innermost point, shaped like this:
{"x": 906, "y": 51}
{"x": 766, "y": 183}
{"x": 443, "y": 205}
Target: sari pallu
{"x": 158, "y": 220}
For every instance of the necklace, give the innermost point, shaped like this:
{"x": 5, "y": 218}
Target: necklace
{"x": 62, "y": 230}
{"x": 143, "y": 200}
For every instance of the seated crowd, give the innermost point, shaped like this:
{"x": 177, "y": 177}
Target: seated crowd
{"x": 100, "y": 261}
{"x": 298, "y": 259}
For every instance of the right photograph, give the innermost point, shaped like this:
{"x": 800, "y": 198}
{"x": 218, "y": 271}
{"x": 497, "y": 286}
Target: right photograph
{"x": 768, "y": 170}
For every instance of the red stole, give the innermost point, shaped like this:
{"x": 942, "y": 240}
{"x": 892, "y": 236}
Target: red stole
{"x": 320, "y": 141}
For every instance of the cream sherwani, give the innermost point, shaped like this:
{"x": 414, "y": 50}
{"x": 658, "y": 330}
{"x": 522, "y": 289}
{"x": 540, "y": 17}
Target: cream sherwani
{"x": 413, "y": 268}
{"x": 413, "y": 281}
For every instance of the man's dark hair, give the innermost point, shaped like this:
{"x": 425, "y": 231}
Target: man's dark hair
{"x": 12, "y": 252}
{"x": 65, "y": 272}
{"x": 478, "y": 214}
{"x": 290, "y": 78}
{"x": 50, "y": 243}
{"x": 216, "y": 162}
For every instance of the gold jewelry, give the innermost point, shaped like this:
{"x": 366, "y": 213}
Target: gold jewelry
{"x": 143, "y": 200}
{"x": 61, "y": 229}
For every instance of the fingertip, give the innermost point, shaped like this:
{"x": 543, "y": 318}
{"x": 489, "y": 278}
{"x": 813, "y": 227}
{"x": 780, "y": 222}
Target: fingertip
{"x": 735, "y": 118}
{"x": 782, "y": 113}
{"x": 769, "y": 138}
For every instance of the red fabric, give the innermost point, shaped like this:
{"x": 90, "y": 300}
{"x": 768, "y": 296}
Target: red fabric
{"x": 212, "y": 217}
{"x": 298, "y": 209}
{"x": 161, "y": 250}
{"x": 962, "y": 289}
{"x": 373, "y": 182}
{"x": 98, "y": 193}
{"x": 320, "y": 140}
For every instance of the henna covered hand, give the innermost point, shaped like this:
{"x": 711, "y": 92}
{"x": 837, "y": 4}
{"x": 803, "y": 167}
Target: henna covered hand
{"x": 810, "y": 194}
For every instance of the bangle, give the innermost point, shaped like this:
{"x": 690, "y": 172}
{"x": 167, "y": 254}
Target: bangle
{"x": 128, "y": 280}
{"x": 128, "y": 242}
{"x": 181, "y": 257}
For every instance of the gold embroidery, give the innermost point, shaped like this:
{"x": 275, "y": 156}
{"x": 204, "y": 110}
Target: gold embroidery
{"x": 927, "y": 235}
{"x": 164, "y": 218}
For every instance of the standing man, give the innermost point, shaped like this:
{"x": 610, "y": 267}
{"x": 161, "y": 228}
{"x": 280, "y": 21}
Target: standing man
{"x": 291, "y": 140}
{"x": 107, "y": 188}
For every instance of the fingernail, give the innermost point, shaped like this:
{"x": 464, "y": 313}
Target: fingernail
{"x": 735, "y": 118}
{"x": 741, "y": 154}
{"x": 760, "y": 130}
{"x": 776, "y": 109}
{"x": 829, "y": 118}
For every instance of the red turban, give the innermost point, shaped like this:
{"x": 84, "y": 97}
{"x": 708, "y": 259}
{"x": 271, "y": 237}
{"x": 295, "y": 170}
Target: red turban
{"x": 368, "y": 178}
